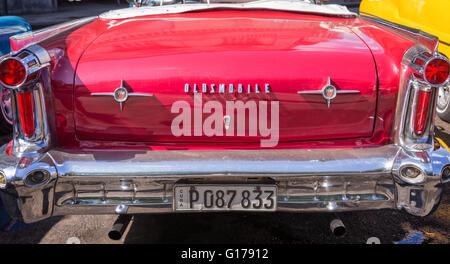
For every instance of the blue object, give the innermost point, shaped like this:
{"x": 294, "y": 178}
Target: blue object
{"x": 9, "y": 26}
{"x": 4, "y": 217}
{"x": 414, "y": 237}
{"x": 6, "y": 223}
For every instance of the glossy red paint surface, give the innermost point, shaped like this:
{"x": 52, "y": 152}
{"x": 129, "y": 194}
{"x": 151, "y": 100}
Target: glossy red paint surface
{"x": 291, "y": 52}
{"x": 65, "y": 49}
{"x": 158, "y": 55}
{"x": 387, "y": 49}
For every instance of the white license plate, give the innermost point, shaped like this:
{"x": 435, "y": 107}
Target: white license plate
{"x": 225, "y": 197}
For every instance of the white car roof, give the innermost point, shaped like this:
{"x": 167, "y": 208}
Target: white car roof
{"x": 283, "y": 5}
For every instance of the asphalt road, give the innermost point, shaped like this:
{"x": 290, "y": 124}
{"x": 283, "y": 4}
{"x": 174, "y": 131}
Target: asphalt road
{"x": 387, "y": 225}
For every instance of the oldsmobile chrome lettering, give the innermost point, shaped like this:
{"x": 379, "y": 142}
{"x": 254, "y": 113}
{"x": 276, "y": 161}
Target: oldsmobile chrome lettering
{"x": 224, "y": 88}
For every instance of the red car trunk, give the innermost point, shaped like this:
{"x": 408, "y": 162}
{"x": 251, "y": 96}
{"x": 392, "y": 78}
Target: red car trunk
{"x": 289, "y": 52}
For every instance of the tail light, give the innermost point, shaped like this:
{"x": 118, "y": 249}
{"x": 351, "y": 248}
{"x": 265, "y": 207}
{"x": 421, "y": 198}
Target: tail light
{"x": 21, "y": 73}
{"x": 425, "y": 72}
{"x": 12, "y": 72}
{"x": 25, "y": 73}
{"x": 26, "y": 112}
{"x": 432, "y": 72}
{"x": 437, "y": 71}
{"x": 422, "y": 111}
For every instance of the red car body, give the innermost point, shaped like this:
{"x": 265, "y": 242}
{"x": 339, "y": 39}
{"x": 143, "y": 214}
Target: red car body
{"x": 204, "y": 43}
{"x": 282, "y": 56}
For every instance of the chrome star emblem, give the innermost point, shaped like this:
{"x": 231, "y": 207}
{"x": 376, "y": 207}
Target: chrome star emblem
{"x": 121, "y": 94}
{"x": 329, "y": 92}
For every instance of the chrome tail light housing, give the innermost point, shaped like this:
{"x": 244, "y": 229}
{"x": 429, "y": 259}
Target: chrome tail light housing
{"x": 24, "y": 67}
{"x": 23, "y": 73}
{"x": 423, "y": 73}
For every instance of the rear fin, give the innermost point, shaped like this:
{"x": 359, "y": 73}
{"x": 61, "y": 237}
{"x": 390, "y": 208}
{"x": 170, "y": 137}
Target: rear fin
{"x": 420, "y": 37}
{"x": 23, "y": 40}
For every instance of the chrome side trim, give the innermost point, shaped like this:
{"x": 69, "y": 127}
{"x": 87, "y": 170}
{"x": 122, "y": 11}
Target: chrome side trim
{"x": 102, "y": 94}
{"x": 445, "y": 43}
{"x": 140, "y": 94}
{"x": 329, "y": 92}
{"x": 130, "y": 94}
{"x": 124, "y": 100}
{"x": 338, "y": 92}
{"x": 39, "y": 85}
{"x": 348, "y": 92}
{"x": 124, "y": 94}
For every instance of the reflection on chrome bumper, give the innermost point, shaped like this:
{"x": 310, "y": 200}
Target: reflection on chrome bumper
{"x": 315, "y": 180}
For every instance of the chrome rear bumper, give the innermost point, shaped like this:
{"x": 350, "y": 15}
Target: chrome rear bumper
{"x": 309, "y": 180}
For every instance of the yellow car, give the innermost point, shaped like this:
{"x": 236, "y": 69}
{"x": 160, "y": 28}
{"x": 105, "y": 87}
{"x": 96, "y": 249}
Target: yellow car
{"x": 430, "y": 16}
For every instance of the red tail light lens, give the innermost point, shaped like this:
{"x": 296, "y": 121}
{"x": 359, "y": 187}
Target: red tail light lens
{"x": 26, "y": 110}
{"x": 12, "y": 72}
{"x": 437, "y": 71}
{"x": 422, "y": 112}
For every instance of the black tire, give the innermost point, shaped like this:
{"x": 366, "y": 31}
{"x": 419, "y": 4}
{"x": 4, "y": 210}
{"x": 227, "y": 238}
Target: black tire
{"x": 443, "y": 105}
{"x": 5, "y": 127}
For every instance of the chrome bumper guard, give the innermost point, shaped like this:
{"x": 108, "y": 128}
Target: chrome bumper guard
{"x": 308, "y": 180}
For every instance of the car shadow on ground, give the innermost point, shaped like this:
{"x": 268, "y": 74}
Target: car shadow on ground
{"x": 214, "y": 228}
{"x": 440, "y": 131}
{"x": 30, "y": 233}
{"x": 277, "y": 228}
